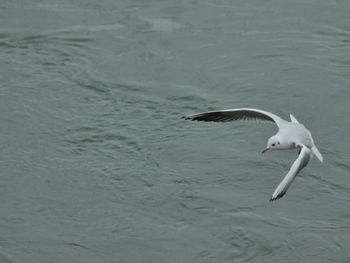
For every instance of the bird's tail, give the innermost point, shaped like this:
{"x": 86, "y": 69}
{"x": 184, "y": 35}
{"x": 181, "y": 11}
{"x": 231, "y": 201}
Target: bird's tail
{"x": 316, "y": 152}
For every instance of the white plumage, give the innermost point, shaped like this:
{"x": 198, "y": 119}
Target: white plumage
{"x": 290, "y": 135}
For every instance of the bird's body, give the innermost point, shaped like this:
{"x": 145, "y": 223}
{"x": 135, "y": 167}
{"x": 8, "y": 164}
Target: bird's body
{"x": 290, "y": 135}
{"x": 294, "y": 134}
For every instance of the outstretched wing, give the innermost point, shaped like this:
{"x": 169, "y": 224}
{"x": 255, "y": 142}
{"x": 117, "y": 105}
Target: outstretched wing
{"x": 299, "y": 163}
{"x": 235, "y": 115}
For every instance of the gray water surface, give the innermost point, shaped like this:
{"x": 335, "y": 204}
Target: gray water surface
{"x": 98, "y": 166}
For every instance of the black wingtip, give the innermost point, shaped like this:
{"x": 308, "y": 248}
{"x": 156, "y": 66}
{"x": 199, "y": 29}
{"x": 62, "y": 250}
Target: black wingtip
{"x": 190, "y": 118}
{"x": 273, "y": 199}
{"x": 279, "y": 196}
{"x": 187, "y": 118}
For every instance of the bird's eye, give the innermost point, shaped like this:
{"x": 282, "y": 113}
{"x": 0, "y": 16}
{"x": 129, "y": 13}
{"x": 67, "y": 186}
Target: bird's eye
{"x": 273, "y": 144}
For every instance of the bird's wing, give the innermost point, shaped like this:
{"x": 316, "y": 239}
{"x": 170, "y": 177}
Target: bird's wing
{"x": 293, "y": 119}
{"x": 299, "y": 163}
{"x": 316, "y": 152}
{"x": 235, "y": 115}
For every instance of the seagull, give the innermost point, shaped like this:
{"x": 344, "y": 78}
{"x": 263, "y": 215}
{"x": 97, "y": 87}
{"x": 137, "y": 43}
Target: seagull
{"x": 291, "y": 135}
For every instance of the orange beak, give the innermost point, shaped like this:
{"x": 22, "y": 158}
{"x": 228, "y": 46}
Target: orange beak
{"x": 265, "y": 150}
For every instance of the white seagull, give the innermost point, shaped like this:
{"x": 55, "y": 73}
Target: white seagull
{"x": 290, "y": 135}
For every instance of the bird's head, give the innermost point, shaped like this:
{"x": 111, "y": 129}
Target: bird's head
{"x": 273, "y": 143}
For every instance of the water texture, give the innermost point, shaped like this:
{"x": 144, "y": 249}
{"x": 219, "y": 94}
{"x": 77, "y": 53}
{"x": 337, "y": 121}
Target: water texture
{"x": 98, "y": 166}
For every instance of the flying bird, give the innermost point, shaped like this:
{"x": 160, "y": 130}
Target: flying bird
{"x": 291, "y": 135}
